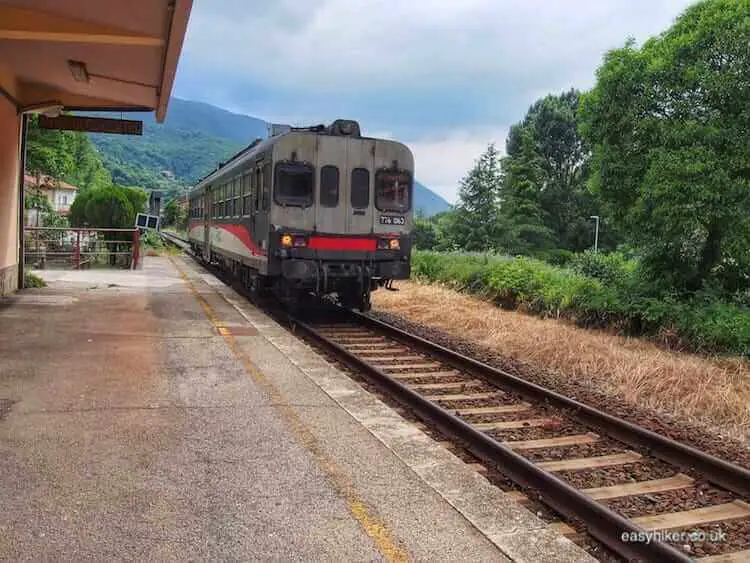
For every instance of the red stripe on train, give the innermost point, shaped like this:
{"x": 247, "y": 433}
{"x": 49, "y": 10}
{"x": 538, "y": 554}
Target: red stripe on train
{"x": 340, "y": 243}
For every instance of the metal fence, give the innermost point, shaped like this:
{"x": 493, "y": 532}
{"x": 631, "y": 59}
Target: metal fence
{"x": 66, "y": 248}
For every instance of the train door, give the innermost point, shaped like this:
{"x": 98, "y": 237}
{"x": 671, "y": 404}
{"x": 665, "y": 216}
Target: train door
{"x": 360, "y": 154}
{"x": 207, "y": 213}
{"x": 262, "y": 202}
{"x": 332, "y": 205}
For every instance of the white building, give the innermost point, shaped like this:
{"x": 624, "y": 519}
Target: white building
{"x": 60, "y": 194}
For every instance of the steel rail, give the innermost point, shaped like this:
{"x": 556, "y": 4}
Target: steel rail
{"x": 720, "y": 472}
{"x": 602, "y": 523}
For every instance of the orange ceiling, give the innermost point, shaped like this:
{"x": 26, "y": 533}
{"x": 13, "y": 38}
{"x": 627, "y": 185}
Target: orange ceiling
{"x": 130, "y": 49}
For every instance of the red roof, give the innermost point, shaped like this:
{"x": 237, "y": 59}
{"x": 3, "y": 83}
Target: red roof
{"x": 47, "y": 183}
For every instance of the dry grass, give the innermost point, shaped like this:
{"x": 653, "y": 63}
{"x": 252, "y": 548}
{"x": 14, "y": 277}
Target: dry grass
{"x": 706, "y": 391}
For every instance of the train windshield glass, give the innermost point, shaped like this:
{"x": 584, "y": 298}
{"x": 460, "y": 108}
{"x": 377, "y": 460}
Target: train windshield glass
{"x": 392, "y": 191}
{"x": 294, "y": 184}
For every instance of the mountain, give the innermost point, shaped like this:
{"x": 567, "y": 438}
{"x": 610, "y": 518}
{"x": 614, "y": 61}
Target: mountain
{"x": 427, "y": 201}
{"x": 193, "y": 139}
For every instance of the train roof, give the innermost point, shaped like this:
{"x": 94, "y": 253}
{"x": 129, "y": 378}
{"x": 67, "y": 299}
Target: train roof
{"x": 340, "y": 127}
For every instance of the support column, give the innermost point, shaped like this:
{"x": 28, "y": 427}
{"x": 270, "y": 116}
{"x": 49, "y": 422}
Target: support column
{"x": 10, "y": 182}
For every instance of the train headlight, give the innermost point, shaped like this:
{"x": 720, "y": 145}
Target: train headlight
{"x": 286, "y": 241}
{"x": 389, "y": 244}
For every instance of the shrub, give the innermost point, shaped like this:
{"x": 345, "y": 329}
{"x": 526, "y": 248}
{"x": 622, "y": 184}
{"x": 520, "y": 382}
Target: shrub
{"x": 32, "y": 280}
{"x": 610, "y": 268}
{"x": 597, "y": 290}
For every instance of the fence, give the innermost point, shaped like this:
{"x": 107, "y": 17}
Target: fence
{"x": 66, "y": 248}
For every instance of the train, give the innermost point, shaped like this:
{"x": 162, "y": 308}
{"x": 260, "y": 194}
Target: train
{"x": 309, "y": 213}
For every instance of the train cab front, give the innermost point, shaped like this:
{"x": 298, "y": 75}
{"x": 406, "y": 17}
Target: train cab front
{"x": 351, "y": 266}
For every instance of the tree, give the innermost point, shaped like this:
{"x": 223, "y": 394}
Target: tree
{"x": 425, "y": 234}
{"x": 88, "y": 170}
{"x": 65, "y": 155}
{"x": 668, "y": 124}
{"x": 175, "y": 214}
{"x": 48, "y": 151}
{"x": 137, "y": 198}
{"x": 476, "y": 225}
{"x": 103, "y": 208}
{"x": 522, "y": 217}
{"x": 546, "y": 203}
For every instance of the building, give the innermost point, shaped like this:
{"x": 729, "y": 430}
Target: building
{"x": 60, "y": 194}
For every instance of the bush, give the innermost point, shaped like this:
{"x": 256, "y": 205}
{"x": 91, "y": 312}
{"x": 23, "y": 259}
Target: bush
{"x": 611, "y": 268}
{"x": 597, "y": 290}
{"x": 151, "y": 239}
{"x": 32, "y": 280}
{"x": 556, "y": 256}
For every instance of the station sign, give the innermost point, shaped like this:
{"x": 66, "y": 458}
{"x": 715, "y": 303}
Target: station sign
{"x": 144, "y": 221}
{"x": 92, "y": 124}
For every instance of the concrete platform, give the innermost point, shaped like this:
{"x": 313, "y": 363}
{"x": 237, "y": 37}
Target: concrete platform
{"x": 156, "y": 415}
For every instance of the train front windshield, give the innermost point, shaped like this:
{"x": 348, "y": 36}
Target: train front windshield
{"x": 294, "y": 184}
{"x": 392, "y": 191}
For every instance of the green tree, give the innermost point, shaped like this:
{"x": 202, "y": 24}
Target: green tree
{"x": 88, "y": 170}
{"x": 521, "y": 214}
{"x": 546, "y": 203}
{"x": 476, "y": 226}
{"x": 668, "y": 124}
{"x": 137, "y": 198}
{"x": 48, "y": 151}
{"x": 425, "y": 234}
{"x": 175, "y": 214}
{"x": 32, "y": 200}
{"x": 107, "y": 207}
{"x": 65, "y": 155}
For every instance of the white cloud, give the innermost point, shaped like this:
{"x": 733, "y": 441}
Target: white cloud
{"x": 441, "y": 161}
{"x": 362, "y": 44}
{"x": 444, "y": 76}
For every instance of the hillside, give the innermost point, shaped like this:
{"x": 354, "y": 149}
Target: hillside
{"x": 194, "y": 138}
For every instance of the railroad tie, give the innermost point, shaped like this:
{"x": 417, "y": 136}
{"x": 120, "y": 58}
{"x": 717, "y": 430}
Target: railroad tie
{"x": 497, "y": 409}
{"x": 464, "y": 397}
{"x": 678, "y": 481}
{"x": 452, "y": 385}
{"x": 690, "y": 518}
{"x": 559, "y": 441}
{"x": 590, "y": 462}
{"x": 513, "y": 424}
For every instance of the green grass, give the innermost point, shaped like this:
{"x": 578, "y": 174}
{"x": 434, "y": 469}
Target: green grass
{"x": 595, "y": 291}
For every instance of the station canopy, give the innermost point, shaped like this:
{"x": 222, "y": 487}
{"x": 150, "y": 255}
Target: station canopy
{"x": 110, "y": 55}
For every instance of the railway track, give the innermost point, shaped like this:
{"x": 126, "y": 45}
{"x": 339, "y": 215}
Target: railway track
{"x": 622, "y": 484}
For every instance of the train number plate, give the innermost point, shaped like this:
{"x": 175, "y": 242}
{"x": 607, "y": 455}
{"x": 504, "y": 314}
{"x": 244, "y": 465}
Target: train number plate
{"x": 392, "y": 220}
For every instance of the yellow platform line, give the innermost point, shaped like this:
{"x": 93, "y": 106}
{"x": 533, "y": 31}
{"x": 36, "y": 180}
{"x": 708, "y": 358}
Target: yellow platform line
{"x": 362, "y": 513}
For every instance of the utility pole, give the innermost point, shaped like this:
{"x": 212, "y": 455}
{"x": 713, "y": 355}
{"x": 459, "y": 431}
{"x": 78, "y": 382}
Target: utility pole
{"x": 596, "y": 233}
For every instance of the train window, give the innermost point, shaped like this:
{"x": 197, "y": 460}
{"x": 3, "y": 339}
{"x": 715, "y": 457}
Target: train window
{"x": 392, "y": 189}
{"x": 266, "y": 185}
{"x": 258, "y": 181}
{"x": 294, "y": 184}
{"x": 329, "y": 186}
{"x": 246, "y": 193}
{"x": 360, "y": 188}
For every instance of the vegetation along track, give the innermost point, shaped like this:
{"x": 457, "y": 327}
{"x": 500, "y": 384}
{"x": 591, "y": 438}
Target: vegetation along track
{"x": 608, "y": 477}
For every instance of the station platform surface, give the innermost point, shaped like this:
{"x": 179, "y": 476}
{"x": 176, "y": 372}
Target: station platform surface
{"x": 157, "y": 415}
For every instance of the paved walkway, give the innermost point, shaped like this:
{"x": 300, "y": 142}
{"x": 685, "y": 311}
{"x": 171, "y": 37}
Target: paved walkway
{"x": 155, "y": 415}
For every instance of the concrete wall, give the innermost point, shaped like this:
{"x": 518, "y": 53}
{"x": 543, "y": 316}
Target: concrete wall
{"x": 10, "y": 125}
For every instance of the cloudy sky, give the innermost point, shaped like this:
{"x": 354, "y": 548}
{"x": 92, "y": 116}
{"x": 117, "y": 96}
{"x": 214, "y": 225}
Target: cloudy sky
{"x": 446, "y": 77}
